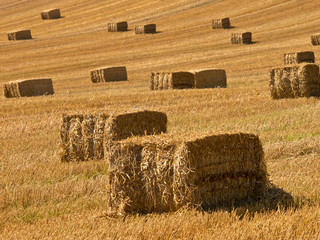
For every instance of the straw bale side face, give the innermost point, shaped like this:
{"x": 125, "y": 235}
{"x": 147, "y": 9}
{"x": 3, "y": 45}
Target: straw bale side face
{"x": 221, "y": 23}
{"x": 109, "y": 74}
{"x": 299, "y": 57}
{"x": 20, "y": 35}
{"x": 297, "y": 81}
{"x": 210, "y": 78}
{"x": 315, "y": 39}
{"x": 50, "y": 14}
{"x": 181, "y": 80}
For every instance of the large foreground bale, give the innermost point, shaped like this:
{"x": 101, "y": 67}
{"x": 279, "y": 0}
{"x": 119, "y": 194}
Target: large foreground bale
{"x": 241, "y": 38}
{"x": 315, "y": 39}
{"x": 171, "y": 80}
{"x": 221, "y": 23}
{"x": 51, "y": 14}
{"x": 28, "y": 88}
{"x": 83, "y": 136}
{"x": 108, "y": 74}
{"x": 20, "y": 35}
{"x": 149, "y": 28}
{"x": 164, "y": 173}
{"x": 118, "y": 27}
{"x": 210, "y": 78}
{"x": 297, "y": 81}
{"x": 298, "y": 57}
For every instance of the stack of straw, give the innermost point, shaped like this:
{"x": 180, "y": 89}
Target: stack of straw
{"x": 118, "y": 27}
{"x": 51, "y": 14}
{"x": 109, "y": 74}
{"x": 83, "y": 136}
{"x": 19, "y": 35}
{"x": 164, "y": 173}
{"x": 315, "y": 39}
{"x": 241, "y": 38}
{"x": 149, "y": 28}
{"x": 28, "y": 88}
{"x": 221, "y": 23}
{"x": 210, "y": 78}
{"x": 298, "y": 57}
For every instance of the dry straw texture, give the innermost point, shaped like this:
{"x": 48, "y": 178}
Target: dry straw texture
{"x": 149, "y": 28}
{"x": 171, "y": 80}
{"x": 298, "y": 57}
{"x": 20, "y": 35}
{"x": 241, "y": 38}
{"x": 118, "y": 27}
{"x": 315, "y": 39}
{"x": 297, "y": 81}
{"x": 210, "y": 78}
{"x": 164, "y": 173}
{"x": 109, "y": 74}
{"x": 221, "y": 23}
{"x": 51, "y": 14}
{"x": 28, "y": 88}
{"x": 83, "y": 136}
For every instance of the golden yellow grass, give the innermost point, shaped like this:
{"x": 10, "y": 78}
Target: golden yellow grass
{"x": 40, "y": 197}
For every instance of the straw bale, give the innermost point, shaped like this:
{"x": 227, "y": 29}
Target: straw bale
{"x": 221, "y": 23}
{"x": 149, "y": 28}
{"x": 171, "y": 80}
{"x": 20, "y": 35}
{"x": 298, "y": 57}
{"x": 177, "y": 171}
{"x": 83, "y": 136}
{"x": 210, "y": 78}
{"x": 301, "y": 80}
{"x": 51, "y": 14}
{"x": 241, "y": 38}
{"x": 109, "y": 74}
{"x": 315, "y": 39}
{"x": 118, "y": 27}
{"x": 28, "y": 88}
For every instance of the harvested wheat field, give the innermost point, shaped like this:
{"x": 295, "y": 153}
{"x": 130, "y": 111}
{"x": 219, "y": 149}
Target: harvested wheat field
{"x": 44, "y": 198}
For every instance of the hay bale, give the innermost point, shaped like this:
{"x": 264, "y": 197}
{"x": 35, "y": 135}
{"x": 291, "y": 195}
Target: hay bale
{"x": 51, "y": 14}
{"x": 298, "y": 57}
{"x": 297, "y": 81}
{"x": 109, "y": 74}
{"x": 83, "y": 137}
{"x": 149, "y": 28}
{"x": 171, "y": 80}
{"x": 20, "y": 35}
{"x": 241, "y": 38}
{"x": 315, "y": 39}
{"x": 221, "y": 23}
{"x": 172, "y": 172}
{"x": 118, "y": 27}
{"x": 210, "y": 78}
{"x": 28, "y": 88}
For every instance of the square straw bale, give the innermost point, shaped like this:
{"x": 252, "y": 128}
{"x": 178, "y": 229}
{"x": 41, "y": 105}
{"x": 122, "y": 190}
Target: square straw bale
{"x": 19, "y": 35}
{"x": 315, "y": 39}
{"x": 221, "y": 23}
{"x": 301, "y": 80}
{"x": 28, "y": 88}
{"x": 171, "y": 80}
{"x": 118, "y": 27}
{"x": 298, "y": 57}
{"x": 241, "y": 38}
{"x": 148, "y": 28}
{"x": 210, "y": 78}
{"x": 51, "y": 14}
{"x": 177, "y": 171}
{"x": 109, "y": 74}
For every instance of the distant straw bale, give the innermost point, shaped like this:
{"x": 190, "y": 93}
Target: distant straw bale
{"x": 315, "y": 39}
{"x": 118, "y": 27}
{"x": 20, "y": 35}
{"x": 171, "y": 80}
{"x": 149, "y": 28}
{"x": 83, "y": 136}
{"x": 210, "y": 78}
{"x": 28, "y": 88}
{"x": 221, "y": 23}
{"x": 51, "y": 14}
{"x": 241, "y": 38}
{"x": 298, "y": 57}
{"x": 109, "y": 74}
{"x": 164, "y": 173}
{"x": 297, "y": 81}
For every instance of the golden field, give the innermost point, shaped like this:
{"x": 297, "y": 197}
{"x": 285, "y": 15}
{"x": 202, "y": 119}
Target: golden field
{"x": 42, "y": 198}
